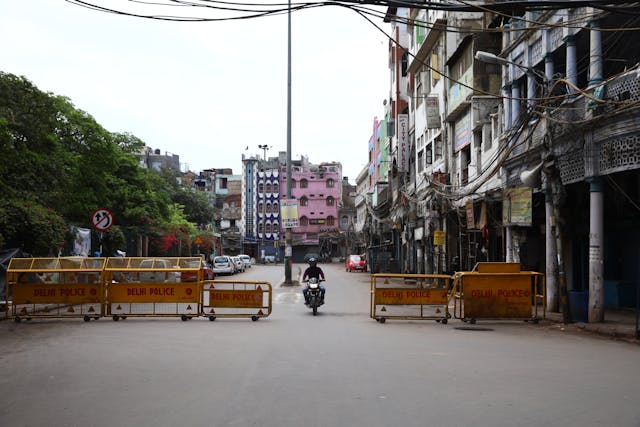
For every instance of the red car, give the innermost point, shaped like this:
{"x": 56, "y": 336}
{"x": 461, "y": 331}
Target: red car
{"x": 190, "y": 276}
{"x": 356, "y": 262}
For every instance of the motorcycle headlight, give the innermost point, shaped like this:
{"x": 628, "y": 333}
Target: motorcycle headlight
{"x": 313, "y": 285}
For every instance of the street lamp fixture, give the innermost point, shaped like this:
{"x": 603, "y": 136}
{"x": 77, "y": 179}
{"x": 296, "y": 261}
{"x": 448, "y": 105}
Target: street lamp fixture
{"x": 490, "y": 58}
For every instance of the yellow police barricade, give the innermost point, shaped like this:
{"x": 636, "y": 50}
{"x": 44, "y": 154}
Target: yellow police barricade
{"x": 498, "y": 291}
{"x": 230, "y": 298}
{"x": 410, "y": 297}
{"x": 63, "y": 287}
{"x": 153, "y": 287}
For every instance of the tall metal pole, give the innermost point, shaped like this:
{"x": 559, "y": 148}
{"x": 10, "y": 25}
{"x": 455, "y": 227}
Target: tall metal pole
{"x": 288, "y": 249}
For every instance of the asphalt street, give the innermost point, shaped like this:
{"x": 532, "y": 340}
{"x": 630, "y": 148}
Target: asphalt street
{"x": 340, "y": 368}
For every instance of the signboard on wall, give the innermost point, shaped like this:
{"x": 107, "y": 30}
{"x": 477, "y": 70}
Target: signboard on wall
{"x": 516, "y": 206}
{"x": 439, "y": 238}
{"x": 403, "y": 142}
{"x": 289, "y": 213}
{"x": 433, "y": 112}
{"x": 462, "y": 131}
{"x": 471, "y": 223}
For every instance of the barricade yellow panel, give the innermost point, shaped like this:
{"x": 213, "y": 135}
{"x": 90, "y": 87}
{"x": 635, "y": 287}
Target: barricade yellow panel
{"x": 498, "y": 267}
{"x": 229, "y": 298}
{"x": 156, "y": 286}
{"x": 497, "y": 296}
{"x": 56, "y": 287}
{"x": 410, "y": 296}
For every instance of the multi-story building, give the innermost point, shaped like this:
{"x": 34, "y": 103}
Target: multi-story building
{"x": 571, "y": 121}
{"x": 349, "y": 242}
{"x": 318, "y": 190}
{"x": 517, "y": 145}
{"x": 261, "y": 207}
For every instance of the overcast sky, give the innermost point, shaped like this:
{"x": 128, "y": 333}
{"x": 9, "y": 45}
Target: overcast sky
{"x": 207, "y": 91}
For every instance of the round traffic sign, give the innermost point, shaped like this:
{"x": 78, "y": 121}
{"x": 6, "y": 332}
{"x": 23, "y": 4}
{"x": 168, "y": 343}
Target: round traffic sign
{"x": 102, "y": 219}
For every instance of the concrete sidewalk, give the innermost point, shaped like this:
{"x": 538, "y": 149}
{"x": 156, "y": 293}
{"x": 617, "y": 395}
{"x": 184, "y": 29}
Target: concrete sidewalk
{"x": 618, "y": 324}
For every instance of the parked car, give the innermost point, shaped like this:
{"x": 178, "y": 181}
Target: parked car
{"x": 238, "y": 263}
{"x": 246, "y": 259}
{"x": 191, "y": 276}
{"x": 223, "y": 264}
{"x": 356, "y": 262}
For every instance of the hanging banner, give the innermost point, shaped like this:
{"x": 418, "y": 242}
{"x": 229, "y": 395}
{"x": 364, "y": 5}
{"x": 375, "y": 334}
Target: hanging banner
{"x": 439, "y": 238}
{"x": 289, "y": 213}
{"x": 82, "y": 242}
{"x": 403, "y": 142}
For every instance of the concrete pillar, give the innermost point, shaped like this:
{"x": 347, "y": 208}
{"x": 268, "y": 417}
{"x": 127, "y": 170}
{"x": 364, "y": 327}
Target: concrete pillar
{"x": 549, "y": 69}
{"x": 515, "y": 104}
{"x": 531, "y": 90}
{"x": 508, "y": 244}
{"x": 506, "y": 105}
{"x": 596, "y": 268}
{"x": 551, "y": 270}
{"x": 572, "y": 63}
{"x": 595, "y": 54}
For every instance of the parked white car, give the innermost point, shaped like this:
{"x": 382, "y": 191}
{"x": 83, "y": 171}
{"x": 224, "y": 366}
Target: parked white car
{"x": 223, "y": 264}
{"x": 238, "y": 263}
{"x": 246, "y": 259}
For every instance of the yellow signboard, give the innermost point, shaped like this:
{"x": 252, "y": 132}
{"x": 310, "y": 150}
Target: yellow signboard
{"x": 439, "y": 238}
{"x": 497, "y": 296}
{"x": 235, "y": 298}
{"x": 289, "y": 213}
{"x": 153, "y": 292}
{"x": 395, "y": 296}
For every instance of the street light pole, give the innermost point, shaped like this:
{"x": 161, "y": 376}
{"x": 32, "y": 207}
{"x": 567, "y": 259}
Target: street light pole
{"x": 288, "y": 250}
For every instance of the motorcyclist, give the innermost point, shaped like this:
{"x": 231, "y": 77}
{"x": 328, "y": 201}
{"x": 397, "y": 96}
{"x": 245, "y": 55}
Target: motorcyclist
{"x": 313, "y": 271}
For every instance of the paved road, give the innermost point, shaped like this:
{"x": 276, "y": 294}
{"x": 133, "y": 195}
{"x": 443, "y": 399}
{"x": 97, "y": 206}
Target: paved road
{"x": 340, "y": 368}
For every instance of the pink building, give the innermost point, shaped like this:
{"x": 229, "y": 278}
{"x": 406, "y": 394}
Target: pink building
{"x": 318, "y": 190}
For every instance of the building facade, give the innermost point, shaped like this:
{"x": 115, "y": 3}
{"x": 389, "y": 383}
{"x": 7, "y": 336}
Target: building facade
{"x": 522, "y": 130}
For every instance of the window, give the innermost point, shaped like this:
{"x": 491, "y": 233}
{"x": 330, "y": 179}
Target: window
{"x": 276, "y": 208}
{"x": 223, "y": 182}
{"x": 429, "y": 154}
{"x": 276, "y": 187}
{"x": 330, "y": 183}
{"x": 304, "y": 221}
{"x": 261, "y": 188}
{"x": 268, "y": 228}
{"x": 331, "y": 221}
{"x": 304, "y": 201}
{"x": 268, "y": 188}
{"x": 420, "y": 160}
{"x": 268, "y": 208}
{"x": 462, "y": 64}
{"x": 293, "y": 183}
{"x": 304, "y": 183}
{"x": 330, "y": 201}
{"x": 438, "y": 147}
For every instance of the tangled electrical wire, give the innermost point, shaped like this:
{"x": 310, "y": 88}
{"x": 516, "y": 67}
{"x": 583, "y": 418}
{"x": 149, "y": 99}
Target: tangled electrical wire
{"x": 245, "y": 10}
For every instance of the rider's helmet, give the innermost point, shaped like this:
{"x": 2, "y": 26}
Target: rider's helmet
{"x": 313, "y": 262}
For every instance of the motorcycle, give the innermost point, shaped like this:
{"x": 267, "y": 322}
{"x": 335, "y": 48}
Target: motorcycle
{"x": 314, "y": 294}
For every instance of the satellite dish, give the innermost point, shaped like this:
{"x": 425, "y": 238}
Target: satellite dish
{"x": 531, "y": 178}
